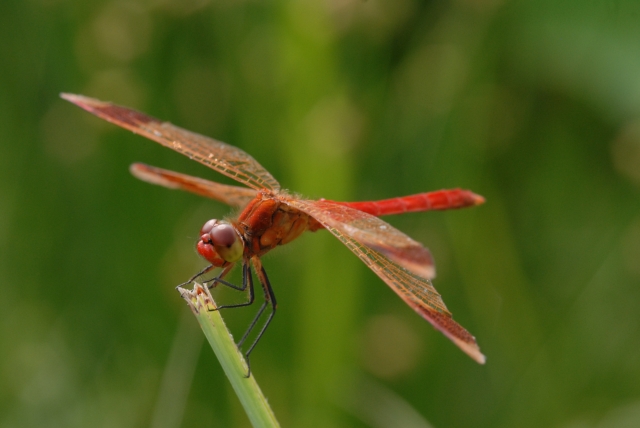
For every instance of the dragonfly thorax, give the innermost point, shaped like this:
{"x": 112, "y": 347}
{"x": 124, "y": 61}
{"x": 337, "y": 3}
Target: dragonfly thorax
{"x": 219, "y": 243}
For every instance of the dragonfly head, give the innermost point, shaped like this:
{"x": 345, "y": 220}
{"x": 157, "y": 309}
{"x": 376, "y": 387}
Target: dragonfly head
{"x": 219, "y": 243}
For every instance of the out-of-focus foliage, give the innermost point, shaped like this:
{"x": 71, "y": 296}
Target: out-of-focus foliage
{"x": 534, "y": 106}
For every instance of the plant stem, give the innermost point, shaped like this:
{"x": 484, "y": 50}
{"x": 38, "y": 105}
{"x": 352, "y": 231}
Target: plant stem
{"x": 233, "y": 364}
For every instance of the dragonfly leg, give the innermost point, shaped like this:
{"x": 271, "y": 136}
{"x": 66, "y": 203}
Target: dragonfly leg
{"x": 269, "y": 298}
{"x": 198, "y": 275}
{"x": 253, "y": 323}
{"x": 218, "y": 280}
{"x": 246, "y": 276}
{"x": 247, "y": 281}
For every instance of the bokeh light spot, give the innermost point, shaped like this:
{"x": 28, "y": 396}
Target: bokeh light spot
{"x": 391, "y": 347}
{"x": 430, "y": 79}
{"x": 202, "y": 97}
{"x": 122, "y": 30}
{"x": 631, "y": 249}
{"x": 66, "y": 136}
{"x": 625, "y": 151}
{"x": 334, "y": 126}
{"x": 181, "y": 7}
{"x": 117, "y": 85}
{"x": 376, "y": 18}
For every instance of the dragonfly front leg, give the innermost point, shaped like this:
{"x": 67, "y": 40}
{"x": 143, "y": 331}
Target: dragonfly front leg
{"x": 214, "y": 280}
{"x": 194, "y": 277}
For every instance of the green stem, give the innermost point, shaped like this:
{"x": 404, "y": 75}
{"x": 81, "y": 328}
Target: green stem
{"x": 233, "y": 364}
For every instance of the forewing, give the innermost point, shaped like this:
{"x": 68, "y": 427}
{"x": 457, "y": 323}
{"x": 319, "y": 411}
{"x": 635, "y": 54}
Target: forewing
{"x": 371, "y": 232}
{"x": 234, "y": 196}
{"x": 217, "y": 155}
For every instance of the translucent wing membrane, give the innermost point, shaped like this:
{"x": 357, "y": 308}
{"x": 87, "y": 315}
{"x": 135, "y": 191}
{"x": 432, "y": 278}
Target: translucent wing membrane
{"x": 371, "y": 232}
{"x": 234, "y": 196}
{"x": 217, "y": 155}
{"x": 356, "y": 230}
{"x": 417, "y": 292}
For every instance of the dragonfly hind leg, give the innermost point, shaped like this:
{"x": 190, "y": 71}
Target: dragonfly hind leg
{"x": 269, "y": 299}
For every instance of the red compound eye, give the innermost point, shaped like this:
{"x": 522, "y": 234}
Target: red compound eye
{"x": 219, "y": 243}
{"x": 223, "y": 235}
{"x": 208, "y": 226}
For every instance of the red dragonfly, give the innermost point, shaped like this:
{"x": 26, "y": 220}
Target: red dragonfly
{"x": 271, "y": 217}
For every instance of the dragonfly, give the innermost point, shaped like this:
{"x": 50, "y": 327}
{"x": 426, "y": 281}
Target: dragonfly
{"x": 271, "y": 217}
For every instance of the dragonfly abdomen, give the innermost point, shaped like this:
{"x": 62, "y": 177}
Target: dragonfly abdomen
{"x": 438, "y": 200}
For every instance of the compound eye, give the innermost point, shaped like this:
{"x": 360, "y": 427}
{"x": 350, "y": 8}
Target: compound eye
{"x": 222, "y": 235}
{"x": 226, "y": 241}
{"x": 208, "y": 226}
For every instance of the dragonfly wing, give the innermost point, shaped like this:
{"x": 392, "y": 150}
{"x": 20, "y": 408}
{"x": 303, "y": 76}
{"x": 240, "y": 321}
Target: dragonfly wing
{"x": 222, "y": 157}
{"x": 234, "y": 196}
{"x": 416, "y": 290}
{"x": 372, "y": 232}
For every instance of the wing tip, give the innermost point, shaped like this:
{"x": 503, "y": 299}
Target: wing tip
{"x": 138, "y": 166}
{"x": 453, "y": 331}
{"x": 460, "y": 337}
{"x": 122, "y": 116}
{"x": 81, "y": 100}
{"x": 152, "y": 175}
{"x": 142, "y": 172}
{"x": 139, "y": 171}
{"x": 471, "y": 349}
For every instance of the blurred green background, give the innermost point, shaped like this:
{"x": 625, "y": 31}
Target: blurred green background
{"x": 534, "y": 106}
